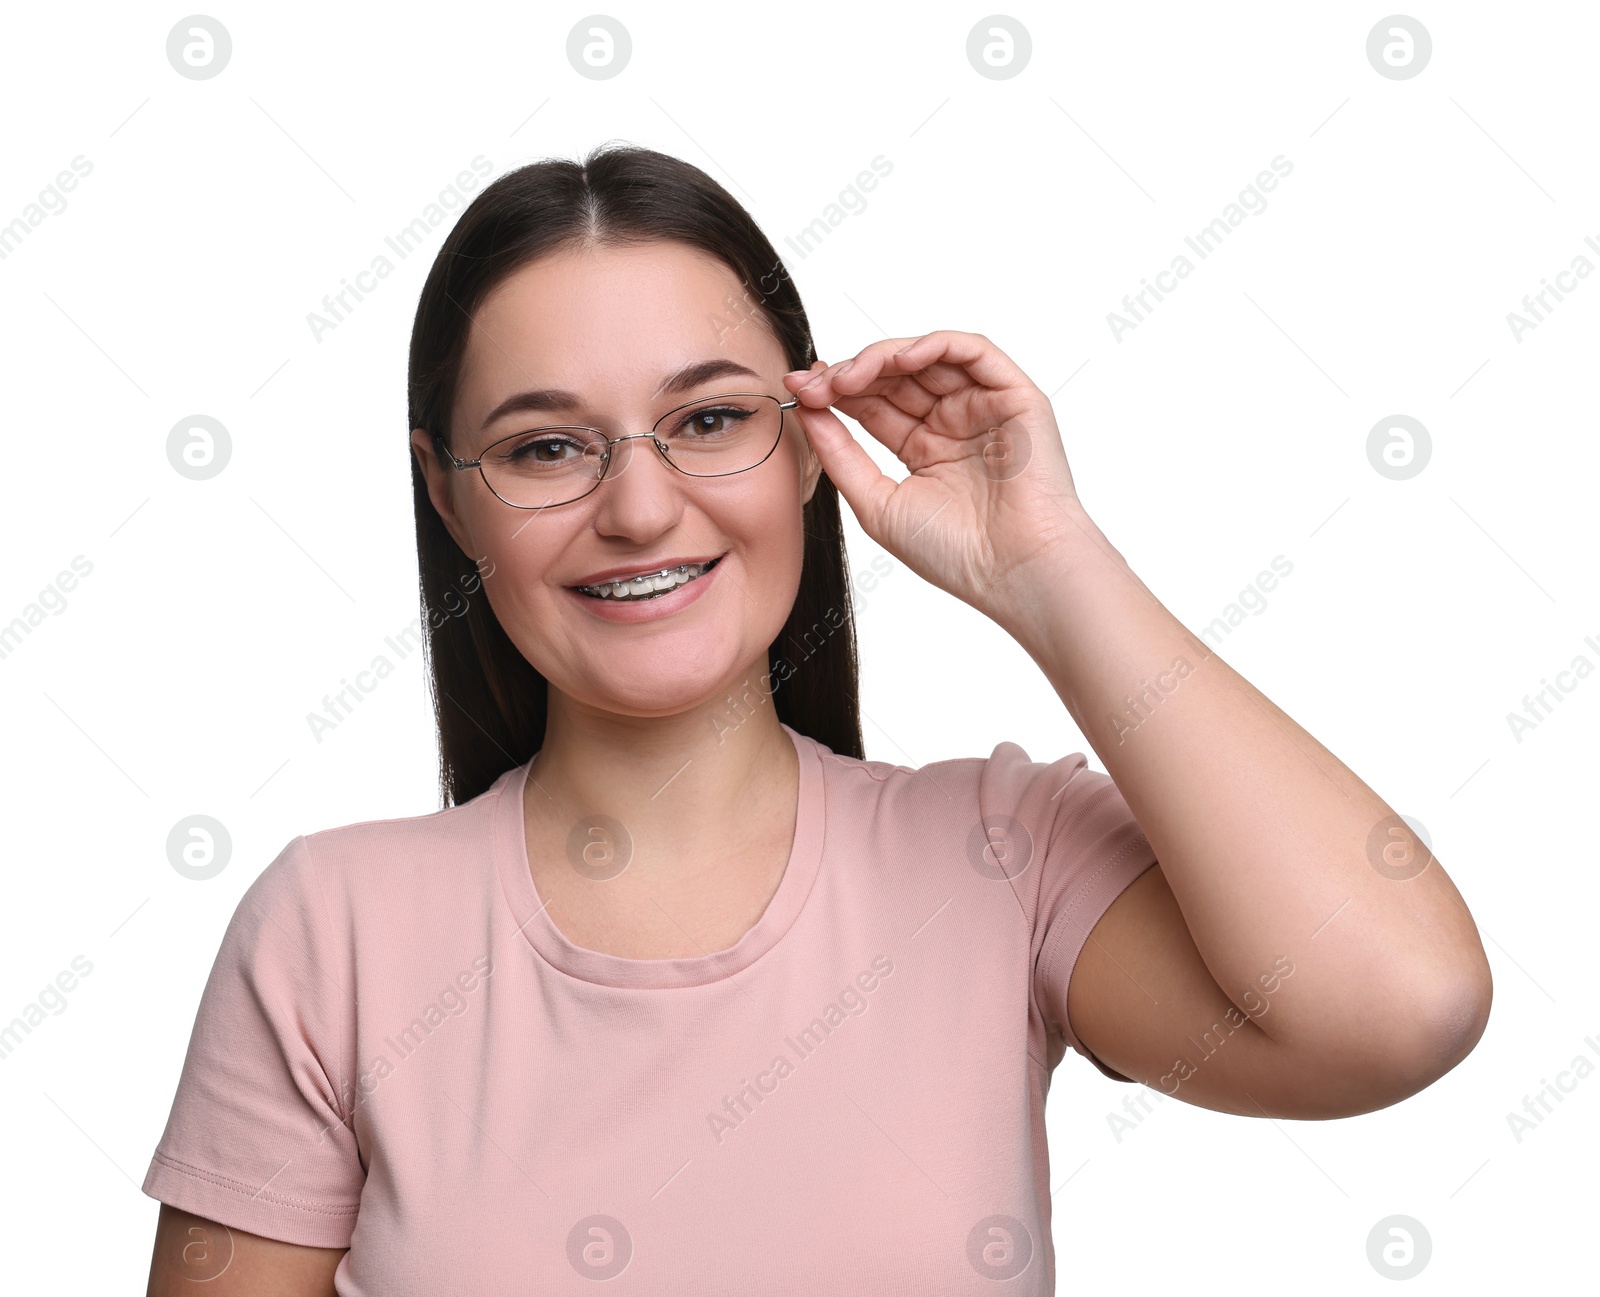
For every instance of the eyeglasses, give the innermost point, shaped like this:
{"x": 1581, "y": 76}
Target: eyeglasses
{"x": 712, "y": 437}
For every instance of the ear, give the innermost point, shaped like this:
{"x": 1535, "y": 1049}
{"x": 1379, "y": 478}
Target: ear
{"x": 438, "y": 477}
{"x": 812, "y": 467}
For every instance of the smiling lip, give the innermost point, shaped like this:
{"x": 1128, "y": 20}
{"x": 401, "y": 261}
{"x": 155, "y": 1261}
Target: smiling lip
{"x": 659, "y": 608}
{"x": 628, "y": 573}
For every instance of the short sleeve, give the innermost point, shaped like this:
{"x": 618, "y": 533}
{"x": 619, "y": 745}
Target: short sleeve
{"x": 1084, "y": 849}
{"x": 257, "y": 1137}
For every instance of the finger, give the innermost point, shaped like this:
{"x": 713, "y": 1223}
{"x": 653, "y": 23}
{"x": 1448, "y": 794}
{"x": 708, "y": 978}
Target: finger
{"x": 884, "y": 418}
{"x": 874, "y": 372}
{"x": 898, "y": 401}
{"x": 848, "y": 466}
{"x": 869, "y": 357}
{"x": 950, "y": 350}
{"x": 916, "y": 372}
{"x": 916, "y": 383}
{"x": 797, "y": 378}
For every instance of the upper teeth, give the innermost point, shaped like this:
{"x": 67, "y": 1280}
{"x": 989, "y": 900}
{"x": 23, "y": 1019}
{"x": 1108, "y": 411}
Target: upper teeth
{"x": 650, "y": 582}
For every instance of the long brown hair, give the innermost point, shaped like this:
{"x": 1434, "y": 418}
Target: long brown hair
{"x": 489, "y": 702}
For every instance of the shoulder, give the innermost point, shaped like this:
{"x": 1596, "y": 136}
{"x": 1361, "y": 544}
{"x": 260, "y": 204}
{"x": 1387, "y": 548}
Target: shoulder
{"x": 1006, "y": 782}
{"x": 856, "y": 784}
{"x": 373, "y": 867}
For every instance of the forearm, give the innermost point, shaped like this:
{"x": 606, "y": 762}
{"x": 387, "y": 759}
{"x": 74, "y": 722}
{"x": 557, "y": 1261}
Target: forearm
{"x": 1271, "y": 845}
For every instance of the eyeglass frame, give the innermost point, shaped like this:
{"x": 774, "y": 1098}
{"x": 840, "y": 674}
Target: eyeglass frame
{"x": 605, "y": 466}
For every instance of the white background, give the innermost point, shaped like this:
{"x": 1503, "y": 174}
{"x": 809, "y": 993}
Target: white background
{"x": 1228, "y": 428}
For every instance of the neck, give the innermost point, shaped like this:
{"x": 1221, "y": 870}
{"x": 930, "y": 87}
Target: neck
{"x": 674, "y": 783}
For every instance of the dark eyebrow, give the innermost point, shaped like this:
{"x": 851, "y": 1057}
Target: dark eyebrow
{"x": 559, "y": 399}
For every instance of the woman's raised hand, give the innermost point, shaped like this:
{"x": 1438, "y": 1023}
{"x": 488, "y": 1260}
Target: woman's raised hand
{"x": 989, "y": 496}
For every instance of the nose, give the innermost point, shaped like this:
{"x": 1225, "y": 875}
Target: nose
{"x": 620, "y": 459}
{"x": 637, "y": 500}
{"x": 633, "y": 436}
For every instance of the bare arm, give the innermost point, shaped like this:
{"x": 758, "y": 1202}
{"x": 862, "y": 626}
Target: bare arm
{"x": 194, "y": 1255}
{"x": 1283, "y": 878}
{"x": 1274, "y": 856}
{"x": 1143, "y": 1002}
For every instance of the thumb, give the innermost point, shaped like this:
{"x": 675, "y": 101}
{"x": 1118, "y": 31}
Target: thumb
{"x": 847, "y": 465}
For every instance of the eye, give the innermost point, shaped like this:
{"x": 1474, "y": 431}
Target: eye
{"x": 540, "y": 448}
{"x": 713, "y": 421}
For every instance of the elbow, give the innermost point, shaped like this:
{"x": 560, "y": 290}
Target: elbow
{"x": 1461, "y": 1014}
{"x": 1444, "y": 1034}
{"x": 1439, "y": 1037}
{"x": 1390, "y": 1056}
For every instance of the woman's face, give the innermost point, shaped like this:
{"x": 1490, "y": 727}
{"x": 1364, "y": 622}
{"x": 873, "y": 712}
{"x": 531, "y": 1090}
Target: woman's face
{"x": 610, "y": 326}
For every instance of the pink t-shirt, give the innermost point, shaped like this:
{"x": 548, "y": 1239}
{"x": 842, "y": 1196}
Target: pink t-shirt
{"x": 398, "y": 1053}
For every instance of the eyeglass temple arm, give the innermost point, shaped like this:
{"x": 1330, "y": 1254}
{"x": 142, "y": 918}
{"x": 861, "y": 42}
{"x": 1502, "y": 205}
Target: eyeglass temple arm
{"x": 450, "y": 455}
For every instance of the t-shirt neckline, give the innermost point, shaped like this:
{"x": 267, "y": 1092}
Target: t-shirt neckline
{"x": 548, "y": 941}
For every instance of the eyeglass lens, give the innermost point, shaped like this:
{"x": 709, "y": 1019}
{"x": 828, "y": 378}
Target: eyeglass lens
{"x": 710, "y": 438}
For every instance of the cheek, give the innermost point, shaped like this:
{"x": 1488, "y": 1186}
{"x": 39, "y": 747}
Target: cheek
{"x": 518, "y": 557}
{"x": 771, "y": 541}
{"x": 529, "y": 540}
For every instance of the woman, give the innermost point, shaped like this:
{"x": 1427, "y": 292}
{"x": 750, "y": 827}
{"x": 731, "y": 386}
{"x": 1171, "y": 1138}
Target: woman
{"x": 679, "y": 989}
